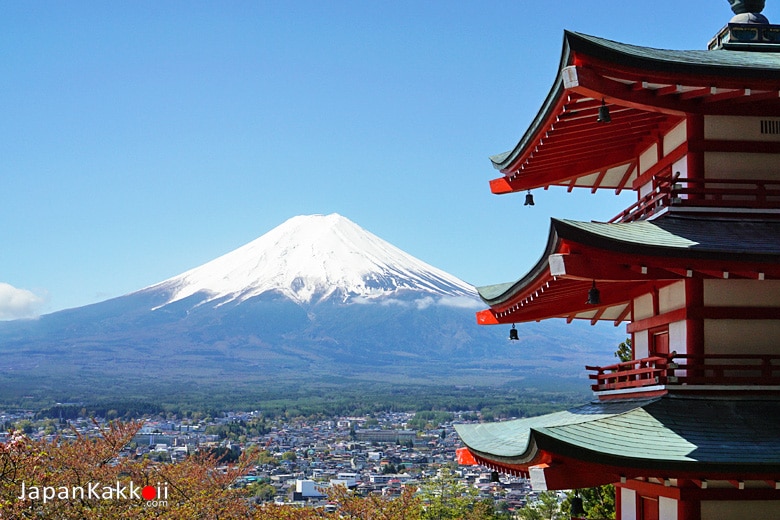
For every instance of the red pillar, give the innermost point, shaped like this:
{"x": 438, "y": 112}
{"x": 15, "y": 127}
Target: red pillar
{"x": 694, "y": 302}
{"x": 688, "y": 510}
{"x": 695, "y": 135}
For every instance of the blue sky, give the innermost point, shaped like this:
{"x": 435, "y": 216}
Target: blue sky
{"x": 141, "y": 139}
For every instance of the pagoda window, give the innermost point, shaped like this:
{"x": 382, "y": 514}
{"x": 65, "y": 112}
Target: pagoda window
{"x": 770, "y": 126}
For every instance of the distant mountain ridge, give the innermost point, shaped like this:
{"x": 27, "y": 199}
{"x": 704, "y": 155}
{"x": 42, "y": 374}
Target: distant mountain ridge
{"x": 315, "y": 301}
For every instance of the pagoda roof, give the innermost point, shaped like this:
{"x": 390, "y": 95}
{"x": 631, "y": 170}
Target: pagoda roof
{"x": 624, "y": 257}
{"x": 648, "y": 91}
{"x": 726, "y": 63}
{"x": 671, "y": 435}
{"x": 688, "y": 237}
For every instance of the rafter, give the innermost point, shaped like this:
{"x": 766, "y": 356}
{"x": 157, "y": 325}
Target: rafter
{"x": 698, "y": 92}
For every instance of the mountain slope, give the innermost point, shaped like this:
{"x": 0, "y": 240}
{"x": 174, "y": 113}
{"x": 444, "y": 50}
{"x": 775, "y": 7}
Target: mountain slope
{"x": 318, "y": 300}
{"x": 314, "y": 257}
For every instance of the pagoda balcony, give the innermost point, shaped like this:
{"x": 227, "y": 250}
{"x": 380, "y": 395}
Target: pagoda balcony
{"x": 687, "y": 372}
{"x": 681, "y": 194}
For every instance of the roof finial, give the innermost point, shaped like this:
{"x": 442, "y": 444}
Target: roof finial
{"x": 748, "y": 11}
{"x": 747, "y": 6}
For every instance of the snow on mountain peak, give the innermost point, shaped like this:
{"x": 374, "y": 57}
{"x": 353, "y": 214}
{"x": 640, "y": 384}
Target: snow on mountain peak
{"x": 311, "y": 257}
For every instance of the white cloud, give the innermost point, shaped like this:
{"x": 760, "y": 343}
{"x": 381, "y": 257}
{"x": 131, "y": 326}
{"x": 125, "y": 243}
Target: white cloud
{"x": 18, "y": 303}
{"x": 462, "y": 302}
{"x": 424, "y": 303}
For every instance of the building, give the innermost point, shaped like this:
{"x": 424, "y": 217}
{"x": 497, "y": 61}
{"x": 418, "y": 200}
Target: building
{"x": 307, "y": 489}
{"x": 385, "y": 436}
{"x": 690, "y": 427}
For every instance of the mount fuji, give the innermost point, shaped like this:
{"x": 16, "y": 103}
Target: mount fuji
{"x": 316, "y": 300}
{"x": 309, "y": 259}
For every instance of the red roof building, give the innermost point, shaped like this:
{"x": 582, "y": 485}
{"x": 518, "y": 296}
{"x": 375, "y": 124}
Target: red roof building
{"x": 690, "y": 427}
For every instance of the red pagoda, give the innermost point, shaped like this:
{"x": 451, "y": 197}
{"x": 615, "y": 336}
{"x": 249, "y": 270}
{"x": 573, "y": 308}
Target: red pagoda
{"x": 690, "y": 427}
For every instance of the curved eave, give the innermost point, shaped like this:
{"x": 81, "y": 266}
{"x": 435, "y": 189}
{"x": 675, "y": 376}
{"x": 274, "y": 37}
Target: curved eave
{"x": 625, "y": 259}
{"x": 648, "y": 91}
{"x": 499, "y": 294}
{"x": 541, "y": 294}
{"x": 666, "y": 436}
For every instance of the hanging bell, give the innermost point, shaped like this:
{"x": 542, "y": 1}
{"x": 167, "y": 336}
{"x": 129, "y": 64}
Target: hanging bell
{"x": 494, "y": 477}
{"x": 594, "y": 296}
{"x": 529, "y": 199}
{"x": 604, "y": 116}
{"x": 513, "y": 334}
{"x": 577, "y": 509}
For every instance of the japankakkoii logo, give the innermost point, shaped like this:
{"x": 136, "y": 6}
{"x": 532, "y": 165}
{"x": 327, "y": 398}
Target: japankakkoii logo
{"x": 151, "y": 495}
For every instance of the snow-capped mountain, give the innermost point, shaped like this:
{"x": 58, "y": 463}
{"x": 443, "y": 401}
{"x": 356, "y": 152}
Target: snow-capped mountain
{"x": 311, "y": 258}
{"x": 316, "y": 302}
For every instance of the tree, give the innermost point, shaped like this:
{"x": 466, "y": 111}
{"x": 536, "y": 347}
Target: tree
{"x": 25, "y": 425}
{"x": 86, "y": 479}
{"x": 546, "y": 507}
{"x": 624, "y": 353}
{"x": 598, "y": 502}
{"x": 445, "y": 497}
{"x": 289, "y": 455}
{"x": 261, "y": 491}
{"x": 197, "y": 487}
{"x": 265, "y": 457}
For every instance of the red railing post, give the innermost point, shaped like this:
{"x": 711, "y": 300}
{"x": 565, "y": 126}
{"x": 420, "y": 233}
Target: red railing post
{"x": 699, "y": 192}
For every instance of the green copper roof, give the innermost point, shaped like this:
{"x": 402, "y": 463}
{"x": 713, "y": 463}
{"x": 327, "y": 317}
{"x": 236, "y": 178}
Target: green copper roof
{"x": 762, "y": 65}
{"x": 511, "y": 439}
{"x": 668, "y": 236}
{"x": 664, "y": 433}
{"x": 680, "y": 236}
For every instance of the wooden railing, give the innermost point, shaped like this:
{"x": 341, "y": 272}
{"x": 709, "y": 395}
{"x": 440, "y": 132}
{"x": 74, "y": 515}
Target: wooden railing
{"x": 725, "y": 369}
{"x": 690, "y": 370}
{"x": 682, "y": 192}
{"x": 630, "y": 374}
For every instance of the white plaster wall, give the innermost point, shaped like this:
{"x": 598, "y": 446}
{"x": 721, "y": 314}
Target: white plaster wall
{"x": 643, "y": 307}
{"x": 741, "y": 336}
{"x": 671, "y": 297}
{"x": 674, "y": 138}
{"x": 726, "y": 165}
{"x": 648, "y": 158}
{"x": 645, "y": 189}
{"x": 681, "y": 166}
{"x": 733, "y": 510}
{"x": 627, "y": 504}
{"x": 641, "y": 345}
{"x": 677, "y": 337}
{"x": 588, "y": 180}
{"x": 742, "y": 293}
{"x": 667, "y": 508}
{"x": 737, "y": 128}
{"x": 615, "y": 175}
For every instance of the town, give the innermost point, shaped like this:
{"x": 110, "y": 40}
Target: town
{"x": 295, "y": 460}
